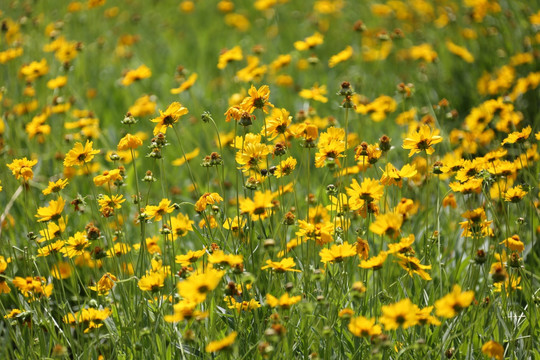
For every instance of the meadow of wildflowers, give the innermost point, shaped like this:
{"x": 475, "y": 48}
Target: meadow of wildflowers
{"x": 269, "y": 179}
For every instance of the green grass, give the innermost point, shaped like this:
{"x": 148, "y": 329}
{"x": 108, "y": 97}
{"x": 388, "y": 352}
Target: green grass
{"x": 315, "y": 326}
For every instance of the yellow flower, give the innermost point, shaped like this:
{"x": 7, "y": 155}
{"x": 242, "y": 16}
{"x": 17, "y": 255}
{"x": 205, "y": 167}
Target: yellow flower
{"x": 321, "y": 233}
{"x": 514, "y": 194}
{"x": 4, "y": 288}
{"x": 181, "y": 225}
{"x": 252, "y": 155}
{"x": 387, "y": 224}
{"x": 185, "y": 309}
{"x": 402, "y": 246}
{"x": 33, "y": 287}
{"x": 52, "y": 211}
{"x": 105, "y": 284}
{"x": 393, "y": 176}
{"x": 309, "y": 42}
{"x": 284, "y": 302}
{"x": 152, "y": 281}
{"x": 207, "y": 199}
{"x": 412, "y": 266}
{"x": 22, "y": 168}
{"x": 234, "y": 54}
{"x": 514, "y": 243}
{"x": 422, "y": 51}
{"x": 337, "y": 253}
{"x": 361, "y": 326}
{"x": 370, "y": 190}
{"x": 129, "y": 142}
{"x": 425, "y": 317}
{"x": 57, "y": 82}
{"x": 316, "y": 93}
{"x": 493, "y": 349}
{"x": 75, "y": 245}
{"x": 341, "y": 56}
{"x": 190, "y": 257}
{"x": 422, "y": 140}
{"x": 401, "y": 314}
{"x": 157, "y": 212}
{"x": 374, "y": 263}
{"x": 185, "y": 85}
{"x": 90, "y": 318}
{"x": 451, "y": 304}
{"x": 34, "y": 70}
{"x": 61, "y": 270}
{"x": 257, "y": 99}
{"x": 108, "y": 177}
{"x": 258, "y": 207}
{"x": 510, "y": 284}
{"x": 518, "y": 136}
{"x": 460, "y": 51}
{"x": 285, "y": 167}
{"x": 277, "y": 124}
{"x": 145, "y": 105}
{"x": 55, "y": 187}
{"x": 198, "y": 285}
{"x": 80, "y": 154}
{"x": 282, "y": 266}
{"x": 169, "y": 117}
{"x": 224, "y": 343}
{"x": 242, "y": 305}
{"x": 219, "y": 257}
{"x": 142, "y": 72}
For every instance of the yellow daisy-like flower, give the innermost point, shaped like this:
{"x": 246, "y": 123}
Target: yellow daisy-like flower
{"x": 370, "y": 190}
{"x": 142, "y": 72}
{"x": 309, "y": 42}
{"x": 22, "y": 168}
{"x": 51, "y": 212}
{"x": 285, "y": 167}
{"x": 450, "y": 305}
{"x": 493, "y": 349}
{"x": 401, "y": 314}
{"x": 514, "y": 243}
{"x": 514, "y": 194}
{"x": 393, "y": 176}
{"x": 387, "y": 224}
{"x": 284, "y": 302}
{"x": 375, "y": 262}
{"x": 190, "y": 257}
{"x": 282, "y": 266}
{"x": 207, "y": 199}
{"x": 129, "y": 142}
{"x": 518, "y": 136}
{"x": 234, "y": 54}
{"x": 341, "y": 56}
{"x": 57, "y": 82}
{"x": 75, "y": 245}
{"x": 80, "y": 154}
{"x": 55, "y": 186}
{"x": 105, "y": 284}
{"x": 460, "y": 51}
{"x": 157, "y": 212}
{"x": 185, "y": 85}
{"x": 152, "y": 281}
{"x": 337, "y": 253}
{"x": 224, "y": 343}
{"x": 169, "y": 117}
{"x": 361, "y": 326}
{"x": 198, "y": 285}
{"x": 422, "y": 140}
{"x": 412, "y": 266}
{"x": 257, "y": 99}
{"x": 316, "y": 93}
